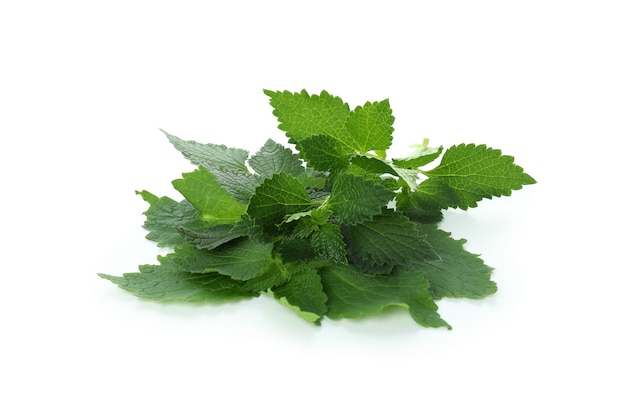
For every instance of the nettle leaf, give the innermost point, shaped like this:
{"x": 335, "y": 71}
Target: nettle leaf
{"x": 328, "y": 243}
{"x": 214, "y": 236}
{"x": 355, "y": 199}
{"x": 458, "y": 273}
{"x": 302, "y": 116}
{"x": 324, "y": 153}
{"x": 168, "y": 282}
{"x": 241, "y": 260}
{"x": 304, "y": 294}
{"x": 371, "y": 127}
{"x": 240, "y": 184}
{"x": 215, "y": 204}
{"x": 469, "y": 173}
{"x": 209, "y": 155}
{"x": 336, "y": 229}
{"x": 276, "y": 198}
{"x": 165, "y": 216}
{"x": 352, "y": 294}
{"x": 390, "y": 238}
{"x": 274, "y": 158}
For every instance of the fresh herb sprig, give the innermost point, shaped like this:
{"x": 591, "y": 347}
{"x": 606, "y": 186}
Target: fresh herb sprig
{"x": 335, "y": 230}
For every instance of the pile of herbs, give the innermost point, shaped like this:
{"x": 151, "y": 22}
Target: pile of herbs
{"x": 335, "y": 230}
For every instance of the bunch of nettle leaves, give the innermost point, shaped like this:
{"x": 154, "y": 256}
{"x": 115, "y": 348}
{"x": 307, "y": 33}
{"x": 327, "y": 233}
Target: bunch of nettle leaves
{"x": 335, "y": 230}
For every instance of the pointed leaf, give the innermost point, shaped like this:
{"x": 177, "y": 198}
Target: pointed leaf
{"x": 469, "y": 173}
{"x": 371, "y": 127}
{"x": 302, "y": 115}
{"x": 203, "y": 191}
{"x": 210, "y": 155}
{"x": 276, "y": 198}
{"x": 274, "y": 158}
{"x": 354, "y": 199}
{"x": 165, "y": 216}
{"x": 304, "y": 292}
{"x": 167, "y": 282}
{"x": 324, "y": 153}
{"x": 328, "y": 243}
{"x": 240, "y": 184}
{"x": 458, "y": 273}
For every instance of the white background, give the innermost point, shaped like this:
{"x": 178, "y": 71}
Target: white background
{"x": 84, "y": 88}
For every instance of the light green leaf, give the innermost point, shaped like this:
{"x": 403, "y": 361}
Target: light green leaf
{"x": 167, "y": 282}
{"x": 276, "y": 198}
{"x": 352, "y": 294}
{"x": 469, "y": 173}
{"x": 355, "y": 199}
{"x": 371, "y": 127}
{"x": 203, "y": 191}
{"x": 302, "y": 115}
{"x": 209, "y": 155}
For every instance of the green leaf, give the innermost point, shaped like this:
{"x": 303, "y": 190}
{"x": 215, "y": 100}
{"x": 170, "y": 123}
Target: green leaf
{"x": 241, "y": 259}
{"x": 354, "y": 199}
{"x": 469, "y": 173}
{"x": 352, "y": 294}
{"x": 305, "y": 294}
{"x": 274, "y": 158}
{"x": 165, "y": 216}
{"x": 214, "y": 236}
{"x": 274, "y": 276}
{"x": 408, "y": 204}
{"x": 240, "y": 184}
{"x": 458, "y": 273}
{"x": 302, "y": 115}
{"x": 390, "y": 238}
{"x": 371, "y": 127}
{"x": 210, "y": 155}
{"x": 167, "y": 282}
{"x": 203, "y": 191}
{"x": 328, "y": 243}
{"x": 324, "y": 153}
{"x": 276, "y": 198}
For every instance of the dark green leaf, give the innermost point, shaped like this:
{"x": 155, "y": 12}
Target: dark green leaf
{"x": 209, "y": 155}
{"x": 276, "y": 198}
{"x": 304, "y": 294}
{"x": 458, "y": 273}
{"x": 354, "y": 199}
{"x": 167, "y": 282}
{"x": 352, "y": 294}
{"x": 241, "y": 259}
{"x": 274, "y": 158}
{"x": 165, "y": 216}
